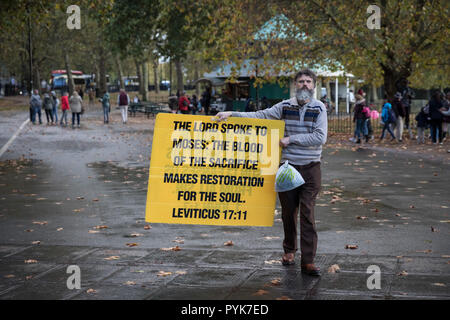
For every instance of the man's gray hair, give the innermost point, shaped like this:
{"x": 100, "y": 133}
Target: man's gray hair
{"x": 306, "y": 72}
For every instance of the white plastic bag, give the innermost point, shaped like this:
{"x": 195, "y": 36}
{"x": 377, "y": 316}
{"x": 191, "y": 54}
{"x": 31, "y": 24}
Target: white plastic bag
{"x": 287, "y": 178}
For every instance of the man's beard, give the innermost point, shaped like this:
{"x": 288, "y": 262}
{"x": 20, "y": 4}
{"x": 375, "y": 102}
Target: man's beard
{"x": 304, "y": 95}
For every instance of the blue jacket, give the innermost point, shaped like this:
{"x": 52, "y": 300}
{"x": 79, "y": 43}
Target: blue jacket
{"x": 385, "y": 112}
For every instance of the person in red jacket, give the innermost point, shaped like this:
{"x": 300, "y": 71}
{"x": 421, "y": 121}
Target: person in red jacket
{"x": 65, "y": 108}
{"x": 183, "y": 103}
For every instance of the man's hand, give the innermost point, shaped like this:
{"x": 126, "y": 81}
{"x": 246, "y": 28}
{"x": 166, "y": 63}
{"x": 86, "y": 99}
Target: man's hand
{"x": 222, "y": 116}
{"x": 284, "y": 142}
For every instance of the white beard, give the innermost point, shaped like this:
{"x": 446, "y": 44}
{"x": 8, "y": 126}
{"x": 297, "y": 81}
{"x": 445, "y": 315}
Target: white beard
{"x": 303, "y": 95}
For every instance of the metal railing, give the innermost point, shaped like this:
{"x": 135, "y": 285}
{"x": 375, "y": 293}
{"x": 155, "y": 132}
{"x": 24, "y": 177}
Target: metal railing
{"x": 343, "y": 123}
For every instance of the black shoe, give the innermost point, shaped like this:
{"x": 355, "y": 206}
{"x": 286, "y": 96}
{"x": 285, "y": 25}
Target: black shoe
{"x": 359, "y": 141}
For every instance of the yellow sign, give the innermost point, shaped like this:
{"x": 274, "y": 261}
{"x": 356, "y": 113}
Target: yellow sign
{"x": 213, "y": 173}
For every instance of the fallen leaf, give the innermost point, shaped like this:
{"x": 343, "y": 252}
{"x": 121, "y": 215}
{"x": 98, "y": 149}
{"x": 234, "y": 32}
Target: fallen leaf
{"x": 130, "y": 283}
{"x": 425, "y": 251}
{"x": 95, "y": 199}
{"x": 94, "y": 231}
{"x": 29, "y": 261}
{"x": 403, "y": 273}
{"x": 272, "y": 262}
{"x": 228, "y": 243}
{"x": 276, "y": 281}
{"x": 164, "y": 273}
{"x": 361, "y": 217}
{"x": 132, "y": 244}
{"x": 438, "y": 284}
{"x": 40, "y": 222}
{"x": 80, "y": 198}
{"x": 147, "y": 227}
{"x": 91, "y": 291}
{"x": 100, "y": 227}
{"x": 176, "y": 248}
{"x": 60, "y": 229}
{"x": 283, "y": 298}
{"x": 133, "y": 235}
{"x": 334, "y": 269}
{"x": 351, "y": 246}
{"x": 260, "y": 292}
{"x": 112, "y": 258}
{"x": 433, "y": 229}
{"x": 36, "y": 242}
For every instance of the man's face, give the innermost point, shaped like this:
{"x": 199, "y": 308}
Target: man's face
{"x": 304, "y": 82}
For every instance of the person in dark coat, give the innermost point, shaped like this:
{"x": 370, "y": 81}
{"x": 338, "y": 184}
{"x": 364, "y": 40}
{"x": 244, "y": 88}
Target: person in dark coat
{"x": 422, "y": 125}
{"x": 436, "y": 118}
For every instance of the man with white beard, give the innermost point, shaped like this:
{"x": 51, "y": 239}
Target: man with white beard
{"x": 305, "y": 132}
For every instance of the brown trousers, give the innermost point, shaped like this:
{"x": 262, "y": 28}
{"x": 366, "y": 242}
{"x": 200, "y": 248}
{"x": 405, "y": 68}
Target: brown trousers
{"x": 305, "y": 195}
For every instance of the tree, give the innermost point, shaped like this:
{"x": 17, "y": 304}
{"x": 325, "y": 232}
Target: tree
{"x": 413, "y": 36}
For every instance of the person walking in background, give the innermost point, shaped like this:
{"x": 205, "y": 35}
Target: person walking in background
{"x": 422, "y": 125}
{"x": 123, "y": 101}
{"x": 359, "y": 118}
{"x": 183, "y": 103}
{"x": 387, "y": 116}
{"x": 436, "y": 118}
{"x": 76, "y": 104}
{"x": 91, "y": 95}
{"x": 446, "y": 112}
{"x": 106, "y": 107}
{"x": 400, "y": 113}
{"x": 55, "y": 106}
{"x": 194, "y": 103}
{"x": 48, "y": 107}
{"x": 64, "y": 108}
{"x": 206, "y": 100}
{"x": 35, "y": 107}
{"x": 407, "y": 94}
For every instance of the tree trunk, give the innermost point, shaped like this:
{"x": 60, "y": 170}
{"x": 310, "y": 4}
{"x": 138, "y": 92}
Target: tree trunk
{"x": 102, "y": 69}
{"x": 139, "y": 75}
{"x": 70, "y": 84}
{"x": 155, "y": 75}
{"x": 144, "y": 81}
{"x": 179, "y": 71}
{"x": 196, "y": 76}
{"x": 374, "y": 93}
{"x": 119, "y": 70}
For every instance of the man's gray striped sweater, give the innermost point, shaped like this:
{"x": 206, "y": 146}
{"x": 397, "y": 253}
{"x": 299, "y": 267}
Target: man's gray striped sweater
{"x": 306, "y": 126}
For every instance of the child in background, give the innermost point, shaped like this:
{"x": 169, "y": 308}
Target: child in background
{"x": 422, "y": 125}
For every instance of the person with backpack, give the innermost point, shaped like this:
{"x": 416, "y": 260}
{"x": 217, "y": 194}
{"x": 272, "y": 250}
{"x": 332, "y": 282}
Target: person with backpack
{"x": 422, "y": 125}
{"x": 123, "y": 100}
{"x": 359, "y": 118}
{"x": 388, "y": 117}
{"x": 400, "y": 113}
{"x": 35, "y": 107}
{"x": 48, "y": 107}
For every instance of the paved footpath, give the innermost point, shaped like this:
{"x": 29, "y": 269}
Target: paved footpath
{"x": 77, "y": 197}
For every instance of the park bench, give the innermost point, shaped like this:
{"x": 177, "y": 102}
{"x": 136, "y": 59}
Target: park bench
{"x": 148, "y": 108}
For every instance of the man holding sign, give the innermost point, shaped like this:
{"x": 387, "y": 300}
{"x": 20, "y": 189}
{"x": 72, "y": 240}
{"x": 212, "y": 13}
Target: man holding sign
{"x": 305, "y": 132}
